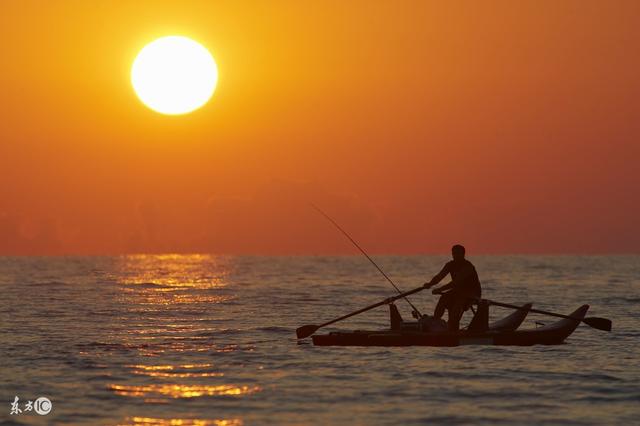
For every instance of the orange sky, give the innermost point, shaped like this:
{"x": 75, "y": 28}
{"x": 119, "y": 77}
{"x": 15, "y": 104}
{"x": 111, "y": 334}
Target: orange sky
{"x": 511, "y": 127}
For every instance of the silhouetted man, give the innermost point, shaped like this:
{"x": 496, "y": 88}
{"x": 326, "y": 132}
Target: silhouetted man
{"x": 464, "y": 284}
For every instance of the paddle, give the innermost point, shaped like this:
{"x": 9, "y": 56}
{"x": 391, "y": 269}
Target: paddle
{"x": 308, "y": 330}
{"x": 595, "y": 322}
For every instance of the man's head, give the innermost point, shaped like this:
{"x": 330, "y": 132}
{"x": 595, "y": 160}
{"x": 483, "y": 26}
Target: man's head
{"x": 457, "y": 252}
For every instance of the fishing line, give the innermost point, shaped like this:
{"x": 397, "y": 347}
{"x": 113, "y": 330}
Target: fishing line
{"x": 367, "y": 256}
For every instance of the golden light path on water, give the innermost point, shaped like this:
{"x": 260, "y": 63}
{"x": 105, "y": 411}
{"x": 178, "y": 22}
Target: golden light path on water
{"x": 181, "y": 422}
{"x": 183, "y": 391}
{"x": 162, "y": 294}
{"x": 170, "y": 370}
{"x": 154, "y": 284}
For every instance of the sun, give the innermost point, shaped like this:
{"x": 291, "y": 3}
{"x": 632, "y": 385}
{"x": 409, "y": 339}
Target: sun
{"x": 174, "y": 75}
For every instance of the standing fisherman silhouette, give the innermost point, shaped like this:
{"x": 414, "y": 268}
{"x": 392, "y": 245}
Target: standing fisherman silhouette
{"x": 463, "y": 286}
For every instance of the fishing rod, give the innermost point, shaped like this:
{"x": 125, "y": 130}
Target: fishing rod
{"x": 367, "y": 256}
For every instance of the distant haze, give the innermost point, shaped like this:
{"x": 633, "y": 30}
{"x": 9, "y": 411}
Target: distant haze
{"x": 510, "y": 127}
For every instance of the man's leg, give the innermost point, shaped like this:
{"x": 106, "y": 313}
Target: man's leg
{"x": 456, "y": 310}
{"x": 443, "y": 303}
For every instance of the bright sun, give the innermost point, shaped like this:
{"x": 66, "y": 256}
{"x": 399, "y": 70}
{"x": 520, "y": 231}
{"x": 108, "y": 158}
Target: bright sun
{"x": 174, "y": 75}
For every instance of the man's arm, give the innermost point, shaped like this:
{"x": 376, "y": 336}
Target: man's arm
{"x": 460, "y": 278}
{"x": 443, "y": 288}
{"x": 439, "y": 276}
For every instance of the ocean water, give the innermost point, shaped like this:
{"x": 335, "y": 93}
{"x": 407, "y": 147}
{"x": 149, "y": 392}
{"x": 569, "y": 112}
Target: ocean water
{"x": 208, "y": 340}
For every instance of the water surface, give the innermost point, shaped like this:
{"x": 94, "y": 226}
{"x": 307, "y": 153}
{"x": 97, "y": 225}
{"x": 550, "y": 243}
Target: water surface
{"x": 208, "y": 340}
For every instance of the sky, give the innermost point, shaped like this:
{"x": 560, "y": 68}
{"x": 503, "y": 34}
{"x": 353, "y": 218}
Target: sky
{"x": 509, "y": 127}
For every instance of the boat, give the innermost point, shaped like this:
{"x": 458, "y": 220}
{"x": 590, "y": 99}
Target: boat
{"x": 428, "y": 331}
{"x": 503, "y": 332}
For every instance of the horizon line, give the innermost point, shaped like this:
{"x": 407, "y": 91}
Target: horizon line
{"x": 396, "y": 254}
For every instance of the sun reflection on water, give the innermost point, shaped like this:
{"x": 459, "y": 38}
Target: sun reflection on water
{"x": 167, "y": 273}
{"x": 181, "y": 422}
{"x": 168, "y": 309}
{"x": 166, "y": 280}
{"x": 169, "y": 367}
{"x": 183, "y": 391}
{"x": 167, "y": 301}
{"x": 174, "y": 371}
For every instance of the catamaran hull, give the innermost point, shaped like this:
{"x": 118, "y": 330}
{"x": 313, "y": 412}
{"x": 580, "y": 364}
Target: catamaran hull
{"x": 551, "y": 334}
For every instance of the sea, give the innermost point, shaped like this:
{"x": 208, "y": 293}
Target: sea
{"x": 210, "y": 340}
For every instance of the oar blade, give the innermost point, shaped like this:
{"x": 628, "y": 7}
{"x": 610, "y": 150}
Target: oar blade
{"x": 306, "y": 331}
{"x": 599, "y": 323}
